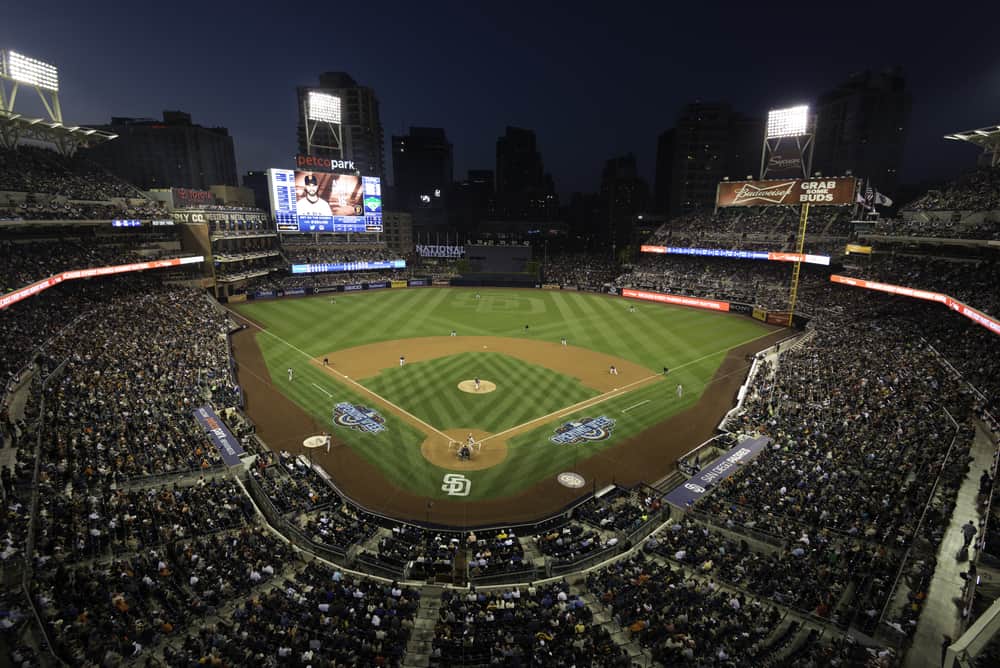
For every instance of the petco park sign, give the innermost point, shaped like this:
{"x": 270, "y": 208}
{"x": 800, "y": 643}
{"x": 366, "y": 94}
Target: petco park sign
{"x": 328, "y": 164}
{"x": 826, "y": 192}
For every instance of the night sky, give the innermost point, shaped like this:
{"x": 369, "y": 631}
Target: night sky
{"x": 593, "y": 80}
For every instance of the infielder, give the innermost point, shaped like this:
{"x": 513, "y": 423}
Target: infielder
{"x": 564, "y": 340}
{"x": 613, "y": 370}
{"x": 402, "y": 361}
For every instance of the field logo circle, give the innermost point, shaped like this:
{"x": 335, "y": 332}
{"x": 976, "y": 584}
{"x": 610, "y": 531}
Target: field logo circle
{"x": 571, "y": 480}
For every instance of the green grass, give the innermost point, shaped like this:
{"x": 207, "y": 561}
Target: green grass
{"x": 524, "y": 391}
{"x": 691, "y": 342}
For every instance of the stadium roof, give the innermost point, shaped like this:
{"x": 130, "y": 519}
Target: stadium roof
{"x": 988, "y": 138}
{"x": 15, "y": 126}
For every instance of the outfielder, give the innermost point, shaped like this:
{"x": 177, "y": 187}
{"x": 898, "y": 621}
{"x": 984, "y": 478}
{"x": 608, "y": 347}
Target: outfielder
{"x": 291, "y": 374}
{"x": 680, "y": 391}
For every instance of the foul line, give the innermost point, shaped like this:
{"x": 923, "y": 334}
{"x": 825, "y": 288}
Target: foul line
{"x": 322, "y": 390}
{"x": 345, "y": 377}
{"x": 644, "y": 401}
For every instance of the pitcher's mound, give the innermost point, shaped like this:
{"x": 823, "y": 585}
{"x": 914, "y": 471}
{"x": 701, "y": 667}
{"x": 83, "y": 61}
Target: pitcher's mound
{"x": 444, "y": 452}
{"x": 470, "y": 386}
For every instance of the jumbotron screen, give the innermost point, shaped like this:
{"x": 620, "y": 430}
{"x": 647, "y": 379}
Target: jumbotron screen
{"x": 325, "y": 202}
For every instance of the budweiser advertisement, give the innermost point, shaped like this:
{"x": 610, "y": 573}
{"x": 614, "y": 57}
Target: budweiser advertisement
{"x": 788, "y": 192}
{"x": 975, "y": 315}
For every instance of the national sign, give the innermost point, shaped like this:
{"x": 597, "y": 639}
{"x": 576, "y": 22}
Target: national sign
{"x": 358, "y": 417}
{"x": 587, "y": 429}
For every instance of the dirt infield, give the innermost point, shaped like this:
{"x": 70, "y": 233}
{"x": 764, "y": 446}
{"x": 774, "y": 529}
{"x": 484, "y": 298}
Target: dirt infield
{"x": 444, "y": 452}
{"x": 645, "y": 457}
{"x": 587, "y": 366}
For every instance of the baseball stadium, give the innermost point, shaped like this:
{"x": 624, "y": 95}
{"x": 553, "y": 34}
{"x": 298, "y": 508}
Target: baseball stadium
{"x": 310, "y": 422}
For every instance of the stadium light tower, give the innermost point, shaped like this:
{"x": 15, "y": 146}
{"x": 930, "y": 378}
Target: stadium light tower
{"x": 323, "y": 110}
{"x": 19, "y": 70}
{"x": 788, "y": 143}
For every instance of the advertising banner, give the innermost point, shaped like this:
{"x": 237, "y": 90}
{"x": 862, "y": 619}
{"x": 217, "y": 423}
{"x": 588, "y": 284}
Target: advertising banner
{"x": 856, "y": 248}
{"x": 434, "y": 250}
{"x": 399, "y": 284}
{"x": 821, "y": 191}
{"x": 418, "y": 282}
{"x": 696, "y": 302}
{"x": 774, "y": 256}
{"x": 186, "y": 198}
{"x": 759, "y": 314}
{"x": 785, "y": 160}
{"x": 361, "y": 265}
{"x": 17, "y": 295}
{"x": 236, "y": 299}
{"x": 688, "y": 493}
{"x": 969, "y": 312}
{"x": 377, "y": 285}
{"x": 295, "y": 292}
{"x": 776, "y": 318}
{"x": 220, "y": 436}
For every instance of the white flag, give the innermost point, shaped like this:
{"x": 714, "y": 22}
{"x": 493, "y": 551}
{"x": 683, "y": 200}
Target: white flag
{"x": 882, "y": 200}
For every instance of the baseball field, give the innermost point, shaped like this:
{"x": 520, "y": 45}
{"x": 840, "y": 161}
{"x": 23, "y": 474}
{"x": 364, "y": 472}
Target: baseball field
{"x": 392, "y": 375}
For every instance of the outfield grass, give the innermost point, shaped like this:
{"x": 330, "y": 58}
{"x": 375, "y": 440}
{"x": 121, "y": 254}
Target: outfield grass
{"x": 692, "y": 343}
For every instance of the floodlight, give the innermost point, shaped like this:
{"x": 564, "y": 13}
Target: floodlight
{"x": 324, "y": 107}
{"x": 788, "y": 122}
{"x": 29, "y": 71}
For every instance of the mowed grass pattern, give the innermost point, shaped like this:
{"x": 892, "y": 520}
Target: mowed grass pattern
{"x": 524, "y": 391}
{"x": 692, "y": 343}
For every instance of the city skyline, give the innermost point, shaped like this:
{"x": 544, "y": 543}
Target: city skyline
{"x": 610, "y": 82}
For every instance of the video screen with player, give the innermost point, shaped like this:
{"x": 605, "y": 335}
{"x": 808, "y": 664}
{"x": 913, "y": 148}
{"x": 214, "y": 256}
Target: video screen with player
{"x": 314, "y": 201}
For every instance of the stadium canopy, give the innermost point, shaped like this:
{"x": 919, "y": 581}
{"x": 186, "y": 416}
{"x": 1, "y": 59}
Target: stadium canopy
{"x": 67, "y": 138}
{"x": 988, "y": 138}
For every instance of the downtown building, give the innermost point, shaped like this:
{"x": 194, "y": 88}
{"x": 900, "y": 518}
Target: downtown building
{"x": 709, "y": 142}
{"x": 422, "y": 172}
{"x": 168, "y": 153}
{"x": 361, "y": 125}
{"x": 861, "y": 128}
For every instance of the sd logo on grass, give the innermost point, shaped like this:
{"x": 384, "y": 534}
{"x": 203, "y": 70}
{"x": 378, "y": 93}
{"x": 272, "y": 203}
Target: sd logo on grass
{"x": 587, "y": 429}
{"x": 358, "y": 417}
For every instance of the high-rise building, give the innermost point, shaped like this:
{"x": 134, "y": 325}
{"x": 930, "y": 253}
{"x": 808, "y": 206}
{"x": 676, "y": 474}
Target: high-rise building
{"x": 421, "y": 169}
{"x": 861, "y": 127}
{"x": 523, "y": 188}
{"x": 472, "y": 200}
{"x": 172, "y": 153}
{"x": 624, "y": 194}
{"x": 710, "y": 141}
{"x": 361, "y": 127}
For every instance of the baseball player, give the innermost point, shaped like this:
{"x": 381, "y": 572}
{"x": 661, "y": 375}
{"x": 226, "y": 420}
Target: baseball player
{"x": 291, "y": 374}
{"x": 613, "y": 370}
{"x": 326, "y": 361}
{"x": 564, "y": 340}
{"x": 477, "y": 384}
{"x": 680, "y": 391}
{"x": 402, "y": 361}
{"x": 454, "y": 333}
